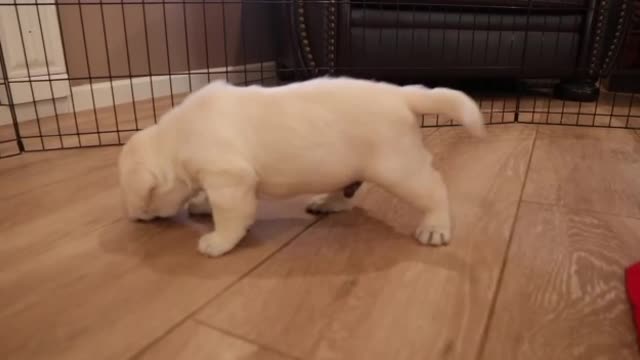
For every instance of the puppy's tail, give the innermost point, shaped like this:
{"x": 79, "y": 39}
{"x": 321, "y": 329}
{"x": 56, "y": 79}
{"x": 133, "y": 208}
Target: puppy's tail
{"x": 452, "y": 103}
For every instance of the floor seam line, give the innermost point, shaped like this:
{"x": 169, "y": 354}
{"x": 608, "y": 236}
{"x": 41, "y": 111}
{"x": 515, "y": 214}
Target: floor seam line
{"x": 484, "y": 336}
{"x": 247, "y": 340}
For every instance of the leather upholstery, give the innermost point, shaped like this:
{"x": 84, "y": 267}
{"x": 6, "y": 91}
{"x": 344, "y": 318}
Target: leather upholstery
{"x": 495, "y": 3}
{"x": 486, "y": 51}
{"x": 464, "y": 41}
{"x": 465, "y": 20}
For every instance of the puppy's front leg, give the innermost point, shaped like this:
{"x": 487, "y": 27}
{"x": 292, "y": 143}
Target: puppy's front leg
{"x": 234, "y": 209}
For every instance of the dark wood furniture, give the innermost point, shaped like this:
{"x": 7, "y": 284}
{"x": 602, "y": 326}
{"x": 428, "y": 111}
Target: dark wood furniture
{"x": 428, "y": 39}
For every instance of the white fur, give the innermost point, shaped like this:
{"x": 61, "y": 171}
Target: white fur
{"x": 318, "y": 136}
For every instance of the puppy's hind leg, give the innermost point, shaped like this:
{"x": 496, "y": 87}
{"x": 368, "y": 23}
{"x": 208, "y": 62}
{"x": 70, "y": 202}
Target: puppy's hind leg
{"x": 415, "y": 181}
{"x": 199, "y": 204}
{"x": 333, "y": 202}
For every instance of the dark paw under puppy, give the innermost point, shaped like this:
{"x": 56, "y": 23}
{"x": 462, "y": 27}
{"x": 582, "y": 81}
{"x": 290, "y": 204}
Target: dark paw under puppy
{"x": 350, "y": 190}
{"x": 335, "y": 202}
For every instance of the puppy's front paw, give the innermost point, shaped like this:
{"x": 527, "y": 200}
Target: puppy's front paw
{"x": 434, "y": 234}
{"x": 212, "y": 245}
{"x": 328, "y": 203}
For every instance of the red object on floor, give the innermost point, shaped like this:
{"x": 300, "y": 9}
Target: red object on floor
{"x": 633, "y": 291}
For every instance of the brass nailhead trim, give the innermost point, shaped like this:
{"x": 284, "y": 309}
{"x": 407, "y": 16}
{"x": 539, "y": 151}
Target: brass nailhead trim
{"x": 616, "y": 37}
{"x": 596, "y": 46}
{"x": 331, "y": 24}
{"x": 303, "y": 37}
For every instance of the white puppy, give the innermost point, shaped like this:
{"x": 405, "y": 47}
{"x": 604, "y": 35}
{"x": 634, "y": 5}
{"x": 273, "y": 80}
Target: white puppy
{"x": 319, "y": 136}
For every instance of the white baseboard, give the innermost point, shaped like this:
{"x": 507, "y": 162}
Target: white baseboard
{"x": 27, "y": 111}
{"x": 108, "y": 93}
{"x": 163, "y": 85}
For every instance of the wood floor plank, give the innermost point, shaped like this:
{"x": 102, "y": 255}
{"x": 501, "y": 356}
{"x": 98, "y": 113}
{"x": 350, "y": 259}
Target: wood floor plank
{"x": 37, "y": 220}
{"x": 357, "y": 286}
{"x": 194, "y": 341}
{"x": 563, "y": 294}
{"x": 33, "y": 170}
{"x": 586, "y": 168}
{"x": 79, "y": 281}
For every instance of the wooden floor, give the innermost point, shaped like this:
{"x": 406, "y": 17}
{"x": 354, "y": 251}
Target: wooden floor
{"x": 546, "y": 219}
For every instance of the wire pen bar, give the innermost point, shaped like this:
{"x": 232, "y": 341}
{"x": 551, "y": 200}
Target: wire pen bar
{"x": 79, "y": 74}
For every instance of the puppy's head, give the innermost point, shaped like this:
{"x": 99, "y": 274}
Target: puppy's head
{"x": 148, "y": 182}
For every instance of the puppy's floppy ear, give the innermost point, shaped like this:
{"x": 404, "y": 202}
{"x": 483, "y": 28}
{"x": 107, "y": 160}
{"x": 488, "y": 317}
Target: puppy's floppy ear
{"x": 142, "y": 182}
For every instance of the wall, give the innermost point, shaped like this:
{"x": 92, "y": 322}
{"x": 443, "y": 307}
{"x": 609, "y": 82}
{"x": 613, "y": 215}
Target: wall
{"x": 98, "y": 35}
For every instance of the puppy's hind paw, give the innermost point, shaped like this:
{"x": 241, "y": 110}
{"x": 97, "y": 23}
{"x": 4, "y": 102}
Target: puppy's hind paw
{"x": 433, "y": 235}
